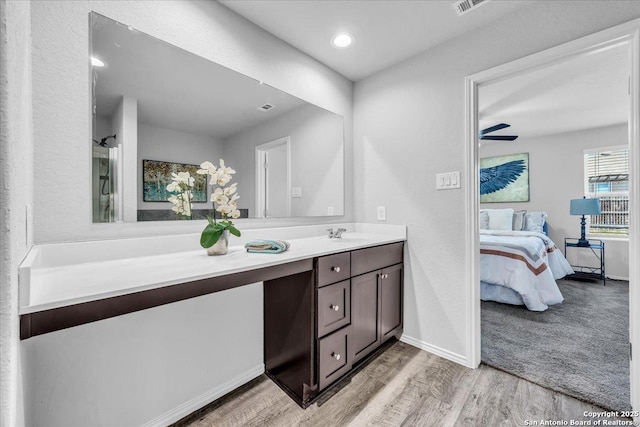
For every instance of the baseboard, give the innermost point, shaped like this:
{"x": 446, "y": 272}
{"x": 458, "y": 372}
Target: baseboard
{"x": 445, "y": 354}
{"x": 205, "y": 398}
{"x": 618, "y": 278}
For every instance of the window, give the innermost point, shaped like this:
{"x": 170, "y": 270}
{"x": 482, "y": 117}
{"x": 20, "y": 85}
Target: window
{"x": 607, "y": 178}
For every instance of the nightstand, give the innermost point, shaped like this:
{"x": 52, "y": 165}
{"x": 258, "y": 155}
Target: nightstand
{"x": 585, "y": 271}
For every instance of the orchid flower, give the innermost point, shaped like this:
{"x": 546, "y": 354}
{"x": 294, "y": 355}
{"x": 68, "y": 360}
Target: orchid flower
{"x": 181, "y": 183}
{"x": 224, "y": 200}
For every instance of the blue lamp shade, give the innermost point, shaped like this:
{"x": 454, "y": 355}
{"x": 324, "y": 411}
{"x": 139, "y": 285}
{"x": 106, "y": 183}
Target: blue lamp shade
{"x": 585, "y": 207}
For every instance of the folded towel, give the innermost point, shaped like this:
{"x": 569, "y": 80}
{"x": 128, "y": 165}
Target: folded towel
{"x": 267, "y": 246}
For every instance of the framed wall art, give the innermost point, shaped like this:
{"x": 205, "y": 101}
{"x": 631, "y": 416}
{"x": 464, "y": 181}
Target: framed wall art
{"x": 504, "y": 178}
{"x": 157, "y": 174}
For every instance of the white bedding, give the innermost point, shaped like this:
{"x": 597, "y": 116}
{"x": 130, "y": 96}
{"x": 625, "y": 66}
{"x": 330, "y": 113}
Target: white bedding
{"x": 525, "y": 263}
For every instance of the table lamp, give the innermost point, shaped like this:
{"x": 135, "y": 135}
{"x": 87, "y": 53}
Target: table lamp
{"x": 584, "y": 207}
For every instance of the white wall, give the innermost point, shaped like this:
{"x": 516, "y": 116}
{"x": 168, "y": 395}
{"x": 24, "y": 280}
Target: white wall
{"x": 556, "y": 175}
{"x": 409, "y": 125}
{"x": 62, "y": 110}
{"x": 317, "y": 159}
{"x": 132, "y": 369}
{"x": 170, "y": 145}
{"x": 16, "y": 184}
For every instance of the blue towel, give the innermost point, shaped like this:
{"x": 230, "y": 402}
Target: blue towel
{"x": 266, "y": 246}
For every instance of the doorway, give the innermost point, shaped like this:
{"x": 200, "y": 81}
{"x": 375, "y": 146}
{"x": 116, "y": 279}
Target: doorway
{"x": 273, "y": 179}
{"x": 627, "y": 35}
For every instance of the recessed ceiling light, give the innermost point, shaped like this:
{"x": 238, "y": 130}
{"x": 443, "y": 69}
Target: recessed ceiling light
{"x": 342, "y": 40}
{"x": 96, "y": 62}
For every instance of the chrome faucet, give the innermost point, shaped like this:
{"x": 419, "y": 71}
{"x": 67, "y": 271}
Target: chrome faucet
{"x": 336, "y": 234}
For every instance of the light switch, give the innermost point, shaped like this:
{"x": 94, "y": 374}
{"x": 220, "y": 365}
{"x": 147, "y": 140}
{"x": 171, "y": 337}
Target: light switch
{"x": 330, "y": 211}
{"x": 448, "y": 180}
{"x": 296, "y": 192}
{"x": 381, "y": 213}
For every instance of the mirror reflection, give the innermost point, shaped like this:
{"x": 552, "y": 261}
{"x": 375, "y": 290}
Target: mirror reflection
{"x": 159, "y": 109}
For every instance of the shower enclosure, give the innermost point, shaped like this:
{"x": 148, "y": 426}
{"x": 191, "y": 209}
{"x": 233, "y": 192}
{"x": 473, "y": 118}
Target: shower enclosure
{"x": 104, "y": 184}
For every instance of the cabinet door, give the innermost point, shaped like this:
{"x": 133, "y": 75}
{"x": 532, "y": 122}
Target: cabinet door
{"x": 390, "y": 301}
{"x": 364, "y": 315}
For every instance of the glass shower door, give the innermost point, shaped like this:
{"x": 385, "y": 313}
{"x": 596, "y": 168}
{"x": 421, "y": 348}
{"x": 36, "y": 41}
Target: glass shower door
{"x": 104, "y": 183}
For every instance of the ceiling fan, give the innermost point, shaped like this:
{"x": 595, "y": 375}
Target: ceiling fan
{"x": 483, "y": 133}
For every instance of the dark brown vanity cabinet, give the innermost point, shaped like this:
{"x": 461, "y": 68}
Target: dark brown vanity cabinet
{"x": 377, "y": 299}
{"x": 319, "y": 325}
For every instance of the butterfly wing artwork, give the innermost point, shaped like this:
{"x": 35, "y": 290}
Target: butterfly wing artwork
{"x": 497, "y": 177}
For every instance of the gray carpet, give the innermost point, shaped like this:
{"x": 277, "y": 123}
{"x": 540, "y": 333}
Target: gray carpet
{"x": 579, "y": 347}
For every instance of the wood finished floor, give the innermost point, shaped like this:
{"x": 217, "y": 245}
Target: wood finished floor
{"x": 403, "y": 386}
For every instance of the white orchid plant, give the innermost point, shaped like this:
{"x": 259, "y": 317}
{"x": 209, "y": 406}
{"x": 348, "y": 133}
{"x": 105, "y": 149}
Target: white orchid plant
{"x": 182, "y": 185}
{"x": 225, "y": 201}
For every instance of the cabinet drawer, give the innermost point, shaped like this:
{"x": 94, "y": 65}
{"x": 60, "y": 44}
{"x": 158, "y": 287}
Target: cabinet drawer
{"x": 370, "y": 259}
{"x": 333, "y": 357}
{"x": 334, "y": 268}
{"x": 334, "y": 307}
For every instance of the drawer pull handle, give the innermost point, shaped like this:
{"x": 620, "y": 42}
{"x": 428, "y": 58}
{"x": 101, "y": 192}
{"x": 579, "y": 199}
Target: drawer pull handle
{"x": 336, "y": 269}
{"x": 334, "y": 307}
{"x": 335, "y": 355}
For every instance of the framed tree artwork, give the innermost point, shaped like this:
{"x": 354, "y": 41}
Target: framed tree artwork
{"x": 157, "y": 174}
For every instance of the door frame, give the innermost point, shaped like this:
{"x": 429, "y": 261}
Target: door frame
{"x": 627, "y": 33}
{"x": 260, "y": 196}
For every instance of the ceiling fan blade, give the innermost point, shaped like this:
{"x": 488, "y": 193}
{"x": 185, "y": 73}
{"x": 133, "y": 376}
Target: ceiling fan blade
{"x": 499, "y": 137}
{"x": 494, "y": 128}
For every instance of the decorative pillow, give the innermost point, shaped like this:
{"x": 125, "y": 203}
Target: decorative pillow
{"x": 484, "y": 220}
{"x": 534, "y": 221}
{"x": 518, "y": 220}
{"x": 500, "y": 219}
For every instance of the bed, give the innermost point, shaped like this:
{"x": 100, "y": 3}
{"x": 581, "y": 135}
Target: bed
{"x": 520, "y": 266}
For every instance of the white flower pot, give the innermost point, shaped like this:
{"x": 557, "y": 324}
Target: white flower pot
{"x": 221, "y": 247}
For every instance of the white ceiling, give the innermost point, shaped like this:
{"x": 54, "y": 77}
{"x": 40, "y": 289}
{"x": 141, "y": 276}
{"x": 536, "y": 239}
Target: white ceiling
{"x": 386, "y": 31}
{"x": 586, "y": 92}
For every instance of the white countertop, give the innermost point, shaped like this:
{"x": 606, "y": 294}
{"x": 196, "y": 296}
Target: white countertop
{"x": 49, "y": 286}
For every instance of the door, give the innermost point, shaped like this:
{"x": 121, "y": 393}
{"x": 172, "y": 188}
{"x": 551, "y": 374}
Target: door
{"x": 364, "y": 314}
{"x": 273, "y": 179}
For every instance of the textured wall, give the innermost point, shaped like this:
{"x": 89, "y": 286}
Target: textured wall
{"x": 556, "y": 175}
{"x": 409, "y": 125}
{"x": 15, "y": 193}
{"x": 62, "y": 110}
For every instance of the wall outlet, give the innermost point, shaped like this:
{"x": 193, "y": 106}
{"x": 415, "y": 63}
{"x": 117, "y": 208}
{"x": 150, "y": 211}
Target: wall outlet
{"x": 381, "y": 212}
{"x": 330, "y": 211}
{"x": 296, "y": 192}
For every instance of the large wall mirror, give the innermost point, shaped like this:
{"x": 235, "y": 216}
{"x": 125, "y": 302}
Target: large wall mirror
{"x": 158, "y": 108}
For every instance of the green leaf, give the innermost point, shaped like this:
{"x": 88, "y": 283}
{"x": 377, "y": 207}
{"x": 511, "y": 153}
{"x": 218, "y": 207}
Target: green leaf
{"x": 233, "y": 230}
{"x": 210, "y": 235}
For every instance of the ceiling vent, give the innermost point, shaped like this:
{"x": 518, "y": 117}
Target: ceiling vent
{"x": 266, "y": 107}
{"x": 464, "y": 6}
